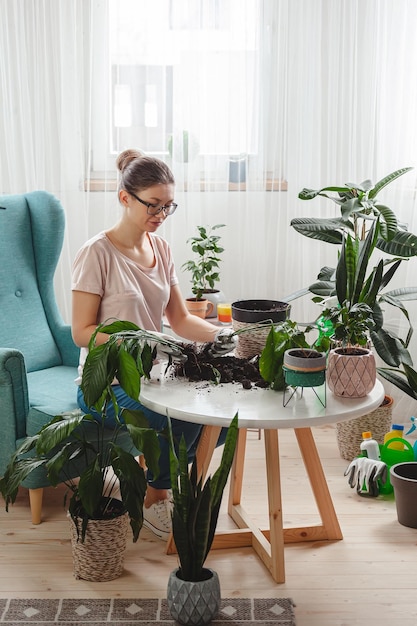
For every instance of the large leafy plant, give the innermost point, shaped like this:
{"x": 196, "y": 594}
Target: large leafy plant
{"x": 204, "y": 270}
{"x": 364, "y": 226}
{"x": 197, "y": 504}
{"x": 103, "y": 453}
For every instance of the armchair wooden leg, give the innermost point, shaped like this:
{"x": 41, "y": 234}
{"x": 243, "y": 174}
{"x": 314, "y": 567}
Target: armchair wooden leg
{"x": 35, "y": 499}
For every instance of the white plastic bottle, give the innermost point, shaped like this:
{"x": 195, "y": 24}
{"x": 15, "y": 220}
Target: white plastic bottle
{"x": 370, "y": 446}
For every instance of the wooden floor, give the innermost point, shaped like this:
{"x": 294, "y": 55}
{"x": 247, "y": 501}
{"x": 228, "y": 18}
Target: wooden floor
{"x": 368, "y": 579}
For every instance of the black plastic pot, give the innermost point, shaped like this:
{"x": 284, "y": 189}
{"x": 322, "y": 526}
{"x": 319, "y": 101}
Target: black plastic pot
{"x": 246, "y": 313}
{"x": 253, "y": 311}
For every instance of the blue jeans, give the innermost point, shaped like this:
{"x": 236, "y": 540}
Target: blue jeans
{"x": 158, "y": 422}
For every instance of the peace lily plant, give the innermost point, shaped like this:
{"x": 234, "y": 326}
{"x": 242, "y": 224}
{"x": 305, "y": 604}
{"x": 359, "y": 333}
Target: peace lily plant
{"x": 110, "y": 471}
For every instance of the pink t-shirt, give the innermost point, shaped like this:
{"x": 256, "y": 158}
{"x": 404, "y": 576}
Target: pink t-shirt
{"x": 128, "y": 291}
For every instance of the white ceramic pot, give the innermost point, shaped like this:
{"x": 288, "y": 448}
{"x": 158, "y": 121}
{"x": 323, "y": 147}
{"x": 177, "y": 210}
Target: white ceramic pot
{"x": 215, "y": 296}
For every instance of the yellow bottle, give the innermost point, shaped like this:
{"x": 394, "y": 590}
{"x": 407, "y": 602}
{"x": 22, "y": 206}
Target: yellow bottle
{"x": 397, "y": 430}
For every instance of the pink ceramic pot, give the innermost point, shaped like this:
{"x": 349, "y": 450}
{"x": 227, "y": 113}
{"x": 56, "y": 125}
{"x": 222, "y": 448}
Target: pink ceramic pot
{"x": 351, "y": 371}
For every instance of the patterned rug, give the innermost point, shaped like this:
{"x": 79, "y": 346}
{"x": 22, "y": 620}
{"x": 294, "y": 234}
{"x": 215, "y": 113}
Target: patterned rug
{"x": 135, "y": 612}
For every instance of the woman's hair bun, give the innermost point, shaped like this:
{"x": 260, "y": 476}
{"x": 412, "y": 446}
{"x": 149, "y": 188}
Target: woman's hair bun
{"x": 126, "y": 157}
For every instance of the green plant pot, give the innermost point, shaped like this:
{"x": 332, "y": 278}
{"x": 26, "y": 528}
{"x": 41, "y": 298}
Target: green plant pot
{"x": 304, "y": 367}
{"x": 304, "y": 379}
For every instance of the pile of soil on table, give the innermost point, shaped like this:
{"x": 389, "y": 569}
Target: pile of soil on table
{"x": 203, "y": 366}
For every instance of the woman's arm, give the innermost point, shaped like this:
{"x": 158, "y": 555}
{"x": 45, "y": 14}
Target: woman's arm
{"x": 184, "y": 324}
{"x": 85, "y": 308}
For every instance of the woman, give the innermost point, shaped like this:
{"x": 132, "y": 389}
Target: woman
{"x": 128, "y": 273}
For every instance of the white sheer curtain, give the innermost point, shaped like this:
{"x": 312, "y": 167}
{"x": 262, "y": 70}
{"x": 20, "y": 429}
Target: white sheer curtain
{"x": 312, "y": 92}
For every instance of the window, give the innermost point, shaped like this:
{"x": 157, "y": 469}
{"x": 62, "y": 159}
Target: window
{"x": 182, "y": 68}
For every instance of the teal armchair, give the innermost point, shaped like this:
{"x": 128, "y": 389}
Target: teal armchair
{"x": 38, "y": 358}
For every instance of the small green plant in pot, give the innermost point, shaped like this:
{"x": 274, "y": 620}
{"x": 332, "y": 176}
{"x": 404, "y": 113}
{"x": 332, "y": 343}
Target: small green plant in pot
{"x": 282, "y": 338}
{"x": 205, "y": 269}
{"x": 194, "y": 520}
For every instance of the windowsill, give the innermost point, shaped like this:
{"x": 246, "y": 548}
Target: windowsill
{"x": 270, "y": 184}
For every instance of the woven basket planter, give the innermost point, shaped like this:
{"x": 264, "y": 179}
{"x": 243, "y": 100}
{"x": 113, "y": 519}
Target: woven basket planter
{"x": 246, "y": 313}
{"x": 349, "y": 434}
{"x": 101, "y": 556}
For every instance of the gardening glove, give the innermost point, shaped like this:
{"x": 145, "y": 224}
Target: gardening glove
{"x": 167, "y": 347}
{"x": 225, "y": 341}
{"x": 364, "y": 474}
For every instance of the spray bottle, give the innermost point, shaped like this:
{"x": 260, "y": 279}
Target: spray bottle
{"x": 411, "y": 430}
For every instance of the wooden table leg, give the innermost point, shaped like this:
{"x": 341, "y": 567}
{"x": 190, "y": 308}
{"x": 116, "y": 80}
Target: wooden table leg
{"x": 205, "y": 448}
{"x": 269, "y": 545}
{"x": 236, "y": 474}
{"x": 318, "y": 483}
{"x": 273, "y": 477}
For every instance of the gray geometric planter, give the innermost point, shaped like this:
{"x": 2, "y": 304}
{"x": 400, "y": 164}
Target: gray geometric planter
{"x": 193, "y": 603}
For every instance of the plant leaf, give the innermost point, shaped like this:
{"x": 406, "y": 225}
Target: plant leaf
{"x": 90, "y": 487}
{"x": 95, "y": 374}
{"x": 323, "y": 229}
{"x": 133, "y": 486}
{"x": 389, "y": 348}
{"x": 387, "y": 180}
{"x": 128, "y": 375}
{"x": 403, "y": 244}
{"x": 397, "y": 378}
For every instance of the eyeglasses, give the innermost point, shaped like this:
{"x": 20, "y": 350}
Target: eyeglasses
{"x": 154, "y": 209}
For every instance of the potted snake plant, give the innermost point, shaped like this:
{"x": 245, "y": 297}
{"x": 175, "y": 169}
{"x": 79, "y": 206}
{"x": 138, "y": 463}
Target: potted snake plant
{"x": 111, "y": 486}
{"x": 193, "y": 591}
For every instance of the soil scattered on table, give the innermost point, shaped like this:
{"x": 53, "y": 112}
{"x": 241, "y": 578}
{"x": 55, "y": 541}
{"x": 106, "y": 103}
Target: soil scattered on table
{"x": 201, "y": 365}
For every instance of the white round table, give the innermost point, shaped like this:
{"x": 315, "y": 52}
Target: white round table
{"x": 215, "y": 405}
